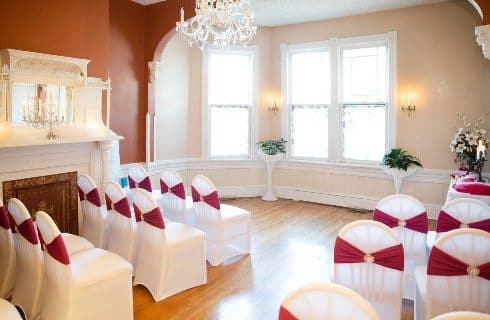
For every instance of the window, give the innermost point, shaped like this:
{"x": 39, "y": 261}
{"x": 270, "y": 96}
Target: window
{"x": 229, "y": 91}
{"x": 339, "y": 95}
{"x": 310, "y": 98}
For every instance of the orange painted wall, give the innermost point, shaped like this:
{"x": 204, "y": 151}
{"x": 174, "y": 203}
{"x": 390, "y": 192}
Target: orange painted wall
{"x": 127, "y": 70}
{"x": 74, "y": 28}
{"x": 485, "y": 7}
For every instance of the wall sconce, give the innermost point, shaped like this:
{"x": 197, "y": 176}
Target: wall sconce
{"x": 274, "y": 108}
{"x": 409, "y": 106}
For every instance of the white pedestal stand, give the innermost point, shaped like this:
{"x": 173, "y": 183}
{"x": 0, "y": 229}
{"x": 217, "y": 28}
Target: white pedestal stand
{"x": 270, "y": 161}
{"x": 398, "y": 175}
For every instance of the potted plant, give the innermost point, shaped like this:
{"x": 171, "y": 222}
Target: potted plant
{"x": 399, "y": 164}
{"x": 271, "y": 151}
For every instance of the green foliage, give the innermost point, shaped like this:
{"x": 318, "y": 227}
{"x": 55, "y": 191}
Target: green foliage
{"x": 272, "y": 147}
{"x": 400, "y": 159}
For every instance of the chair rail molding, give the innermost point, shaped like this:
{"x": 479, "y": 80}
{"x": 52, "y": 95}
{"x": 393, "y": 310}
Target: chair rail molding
{"x": 357, "y": 186}
{"x": 483, "y": 39}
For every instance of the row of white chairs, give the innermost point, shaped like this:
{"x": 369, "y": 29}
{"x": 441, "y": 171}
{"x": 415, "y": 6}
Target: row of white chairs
{"x": 379, "y": 258}
{"x": 53, "y": 275}
{"x": 335, "y": 302}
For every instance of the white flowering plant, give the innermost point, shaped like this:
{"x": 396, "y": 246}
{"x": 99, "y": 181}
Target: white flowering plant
{"x": 466, "y": 140}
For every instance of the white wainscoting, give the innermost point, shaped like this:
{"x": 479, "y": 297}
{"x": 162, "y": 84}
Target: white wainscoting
{"x": 346, "y": 185}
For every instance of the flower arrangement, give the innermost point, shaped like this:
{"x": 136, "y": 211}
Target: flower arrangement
{"x": 466, "y": 140}
{"x": 272, "y": 147}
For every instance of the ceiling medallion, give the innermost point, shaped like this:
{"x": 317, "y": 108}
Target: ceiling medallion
{"x": 219, "y": 23}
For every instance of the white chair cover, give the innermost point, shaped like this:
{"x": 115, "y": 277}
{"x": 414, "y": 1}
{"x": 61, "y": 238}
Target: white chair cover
{"x": 93, "y": 284}
{"x": 438, "y": 294}
{"x": 138, "y": 174}
{"x": 7, "y": 254}
{"x": 326, "y": 302}
{"x": 463, "y": 315}
{"x": 94, "y": 227}
{"x": 380, "y": 285}
{"x": 403, "y": 208}
{"x": 123, "y": 232}
{"x": 465, "y": 210}
{"x": 30, "y": 264}
{"x": 173, "y": 206}
{"x": 8, "y": 311}
{"x": 171, "y": 258}
{"x": 227, "y": 227}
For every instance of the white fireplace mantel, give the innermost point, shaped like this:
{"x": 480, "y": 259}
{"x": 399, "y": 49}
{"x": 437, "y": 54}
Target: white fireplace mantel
{"x": 483, "y": 39}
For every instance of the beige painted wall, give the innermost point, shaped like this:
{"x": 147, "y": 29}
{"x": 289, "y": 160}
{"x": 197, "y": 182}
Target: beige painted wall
{"x": 172, "y": 101}
{"x": 438, "y": 60}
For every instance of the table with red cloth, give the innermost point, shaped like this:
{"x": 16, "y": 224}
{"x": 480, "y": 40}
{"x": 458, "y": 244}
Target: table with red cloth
{"x": 469, "y": 188}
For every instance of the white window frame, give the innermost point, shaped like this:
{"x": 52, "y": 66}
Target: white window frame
{"x": 253, "y": 52}
{"x": 334, "y": 110}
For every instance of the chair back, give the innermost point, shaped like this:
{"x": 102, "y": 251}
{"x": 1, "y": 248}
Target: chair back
{"x": 173, "y": 195}
{"x": 463, "y": 213}
{"x": 458, "y": 272}
{"x": 407, "y": 217}
{"x": 369, "y": 258}
{"x": 7, "y": 253}
{"x": 206, "y": 200}
{"x": 325, "y": 302}
{"x": 138, "y": 178}
{"x": 30, "y": 261}
{"x": 122, "y": 223}
{"x": 146, "y": 209}
{"x": 463, "y": 315}
{"x": 94, "y": 214}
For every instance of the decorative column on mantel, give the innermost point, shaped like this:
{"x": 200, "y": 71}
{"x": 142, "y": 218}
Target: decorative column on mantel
{"x": 483, "y": 39}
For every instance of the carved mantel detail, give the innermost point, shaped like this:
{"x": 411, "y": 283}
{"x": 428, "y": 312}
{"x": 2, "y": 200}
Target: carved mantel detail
{"x": 154, "y": 70}
{"x": 483, "y": 39}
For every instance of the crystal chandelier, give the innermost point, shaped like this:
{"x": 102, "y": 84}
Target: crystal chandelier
{"x": 219, "y": 23}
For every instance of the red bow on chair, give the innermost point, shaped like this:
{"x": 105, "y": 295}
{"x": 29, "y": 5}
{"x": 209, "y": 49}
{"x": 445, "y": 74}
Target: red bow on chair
{"x": 56, "y": 249}
{"x": 121, "y": 206}
{"x": 446, "y": 222}
{"x": 212, "y": 199}
{"x": 92, "y": 196}
{"x": 28, "y": 231}
{"x": 417, "y": 223}
{"x": 285, "y": 314}
{"x": 143, "y": 184}
{"x": 443, "y": 264}
{"x": 4, "y": 218}
{"x": 178, "y": 189}
{"x": 153, "y": 217}
{"x": 391, "y": 257}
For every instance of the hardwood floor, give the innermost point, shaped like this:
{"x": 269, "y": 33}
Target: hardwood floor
{"x": 291, "y": 245}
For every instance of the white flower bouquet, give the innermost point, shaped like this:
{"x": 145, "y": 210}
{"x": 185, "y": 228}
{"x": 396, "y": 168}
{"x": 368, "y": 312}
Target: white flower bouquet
{"x": 466, "y": 140}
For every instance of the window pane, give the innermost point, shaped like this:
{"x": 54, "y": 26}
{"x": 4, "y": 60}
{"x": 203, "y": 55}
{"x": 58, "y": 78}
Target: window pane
{"x": 229, "y": 78}
{"x": 309, "y": 132}
{"x": 310, "y": 78}
{"x": 229, "y": 131}
{"x": 364, "y": 74}
{"x": 364, "y": 132}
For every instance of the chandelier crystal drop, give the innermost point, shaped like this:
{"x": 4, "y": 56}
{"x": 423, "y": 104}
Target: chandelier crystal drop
{"x": 219, "y": 23}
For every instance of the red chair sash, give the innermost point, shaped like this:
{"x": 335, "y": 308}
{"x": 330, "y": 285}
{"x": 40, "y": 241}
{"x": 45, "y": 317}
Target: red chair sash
{"x": 211, "y": 199}
{"x": 4, "y": 218}
{"x": 285, "y": 314}
{"x": 419, "y": 223}
{"x": 143, "y": 184}
{"x": 446, "y": 222}
{"x": 56, "y": 249}
{"x": 153, "y": 217}
{"x": 28, "y": 231}
{"x": 474, "y": 188}
{"x": 92, "y": 196}
{"x": 391, "y": 257}
{"x": 178, "y": 189}
{"x": 121, "y": 206}
{"x": 443, "y": 264}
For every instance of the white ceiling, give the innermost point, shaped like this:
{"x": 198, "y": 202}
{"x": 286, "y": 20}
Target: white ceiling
{"x": 281, "y": 12}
